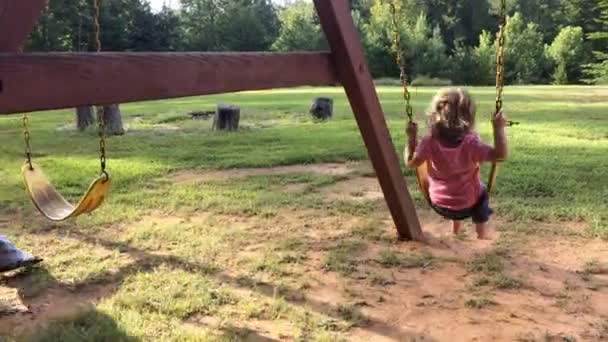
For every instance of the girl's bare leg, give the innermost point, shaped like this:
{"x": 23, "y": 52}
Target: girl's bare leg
{"x": 482, "y": 231}
{"x": 456, "y": 226}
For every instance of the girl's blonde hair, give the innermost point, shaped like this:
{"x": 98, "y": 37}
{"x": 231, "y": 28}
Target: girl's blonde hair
{"x": 451, "y": 115}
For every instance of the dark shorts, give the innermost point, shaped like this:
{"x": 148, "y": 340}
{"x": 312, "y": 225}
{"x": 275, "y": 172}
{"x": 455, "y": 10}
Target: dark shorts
{"x": 480, "y": 212}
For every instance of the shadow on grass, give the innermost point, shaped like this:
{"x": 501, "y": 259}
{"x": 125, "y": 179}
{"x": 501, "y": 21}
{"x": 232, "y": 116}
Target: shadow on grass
{"x": 88, "y": 325}
{"x": 79, "y": 323}
{"x": 50, "y": 316}
{"x": 147, "y": 261}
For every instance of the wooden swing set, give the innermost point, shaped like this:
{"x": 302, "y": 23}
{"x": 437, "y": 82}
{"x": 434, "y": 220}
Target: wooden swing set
{"x": 44, "y": 81}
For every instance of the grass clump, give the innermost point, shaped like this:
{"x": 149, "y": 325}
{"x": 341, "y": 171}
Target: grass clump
{"x": 174, "y": 293}
{"x": 492, "y": 267}
{"x": 343, "y": 257}
{"x": 388, "y": 258}
{"x": 351, "y": 314}
{"x": 488, "y": 263}
{"x": 371, "y": 231}
{"x": 479, "y": 302}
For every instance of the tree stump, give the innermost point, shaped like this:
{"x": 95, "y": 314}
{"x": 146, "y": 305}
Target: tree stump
{"x": 112, "y": 120}
{"x": 226, "y": 118}
{"x": 322, "y": 108}
{"x": 84, "y": 117}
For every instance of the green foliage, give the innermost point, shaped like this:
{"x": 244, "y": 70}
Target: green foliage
{"x": 155, "y": 32}
{"x": 464, "y": 65}
{"x": 201, "y": 30}
{"x": 474, "y": 66}
{"x": 485, "y": 58}
{"x": 219, "y": 25}
{"x": 422, "y": 46}
{"x": 300, "y": 29}
{"x": 544, "y": 13}
{"x": 525, "y": 57}
{"x": 377, "y": 40}
{"x": 248, "y": 25}
{"x": 567, "y": 52}
{"x": 426, "y": 81}
{"x": 441, "y": 38}
{"x": 425, "y": 49}
{"x": 125, "y": 25}
{"x": 460, "y": 21}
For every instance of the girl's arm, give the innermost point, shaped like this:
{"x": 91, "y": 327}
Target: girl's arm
{"x": 500, "y": 151}
{"x": 410, "y": 157}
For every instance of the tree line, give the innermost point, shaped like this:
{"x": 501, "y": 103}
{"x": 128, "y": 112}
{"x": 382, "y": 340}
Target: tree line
{"x": 548, "y": 41}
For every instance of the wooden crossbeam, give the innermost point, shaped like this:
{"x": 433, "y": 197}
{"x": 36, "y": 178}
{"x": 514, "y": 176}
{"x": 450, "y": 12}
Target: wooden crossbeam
{"x": 17, "y": 18}
{"x": 355, "y": 76}
{"x": 32, "y": 82}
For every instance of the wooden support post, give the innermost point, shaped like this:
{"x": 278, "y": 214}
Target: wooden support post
{"x": 17, "y": 18}
{"x": 353, "y": 73}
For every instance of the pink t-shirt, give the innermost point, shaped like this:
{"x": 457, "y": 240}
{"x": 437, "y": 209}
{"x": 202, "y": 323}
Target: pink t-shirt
{"x": 454, "y": 171}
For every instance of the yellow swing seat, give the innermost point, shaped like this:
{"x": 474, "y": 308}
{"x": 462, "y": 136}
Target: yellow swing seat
{"x": 52, "y": 204}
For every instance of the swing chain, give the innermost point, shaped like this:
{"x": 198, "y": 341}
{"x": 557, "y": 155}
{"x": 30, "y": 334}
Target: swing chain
{"x": 26, "y": 138}
{"x": 500, "y": 59}
{"x": 99, "y": 109}
{"x": 96, "y": 25}
{"x": 26, "y": 130}
{"x": 102, "y": 140}
{"x": 500, "y": 55}
{"x": 401, "y": 62}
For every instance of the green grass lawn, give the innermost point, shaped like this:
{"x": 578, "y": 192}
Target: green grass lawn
{"x": 160, "y": 278}
{"x": 557, "y": 168}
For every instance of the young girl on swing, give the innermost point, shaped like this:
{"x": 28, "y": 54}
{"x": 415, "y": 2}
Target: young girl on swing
{"x": 453, "y": 151}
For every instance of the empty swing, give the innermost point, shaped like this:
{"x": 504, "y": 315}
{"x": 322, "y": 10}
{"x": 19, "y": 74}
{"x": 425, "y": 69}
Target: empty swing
{"x": 422, "y": 170}
{"x": 43, "y": 194}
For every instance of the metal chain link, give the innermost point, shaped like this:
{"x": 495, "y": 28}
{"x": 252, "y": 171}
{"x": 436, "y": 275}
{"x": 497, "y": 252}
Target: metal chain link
{"x": 99, "y": 109}
{"x": 102, "y": 140}
{"x": 401, "y": 62}
{"x": 500, "y": 59}
{"x": 96, "y": 28}
{"x": 26, "y": 131}
{"x": 26, "y": 138}
{"x": 500, "y": 55}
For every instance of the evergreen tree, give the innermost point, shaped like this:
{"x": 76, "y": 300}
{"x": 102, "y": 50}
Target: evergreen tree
{"x": 598, "y": 72}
